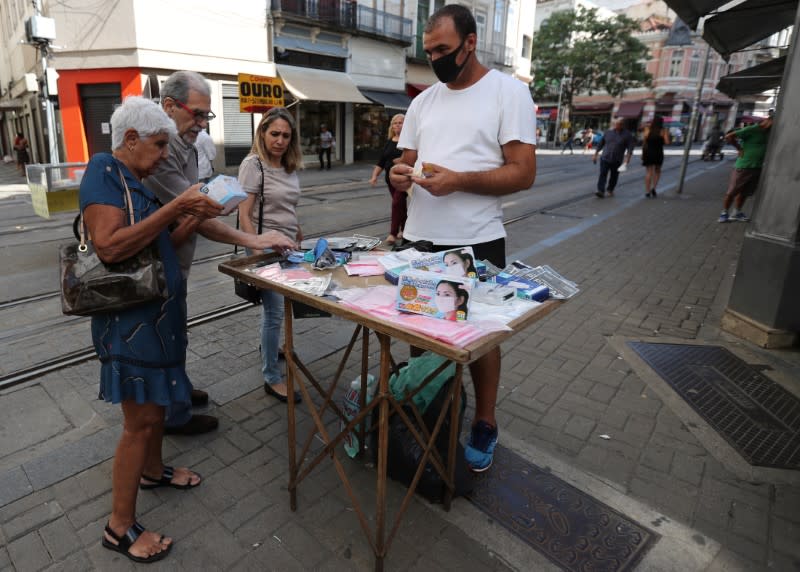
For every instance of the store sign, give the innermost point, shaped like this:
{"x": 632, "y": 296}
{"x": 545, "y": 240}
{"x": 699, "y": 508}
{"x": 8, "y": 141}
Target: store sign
{"x": 258, "y": 93}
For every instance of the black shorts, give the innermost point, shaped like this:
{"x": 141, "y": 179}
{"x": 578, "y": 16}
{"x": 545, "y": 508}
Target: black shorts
{"x": 494, "y": 251}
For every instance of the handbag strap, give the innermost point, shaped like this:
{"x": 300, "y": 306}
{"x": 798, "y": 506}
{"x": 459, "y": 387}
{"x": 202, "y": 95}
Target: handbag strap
{"x": 84, "y": 234}
{"x": 260, "y": 196}
{"x": 260, "y": 204}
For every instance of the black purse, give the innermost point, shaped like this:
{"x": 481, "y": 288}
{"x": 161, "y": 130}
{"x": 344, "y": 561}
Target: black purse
{"x": 243, "y": 289}
{"x": 90, "y": 286}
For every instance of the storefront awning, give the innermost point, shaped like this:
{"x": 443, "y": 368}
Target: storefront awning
{"x": 587, "y": 107}
{"x": 389, "y": 99}
{"x": 747, "y": 23}
{"x": 753, "y": 80}
{"x": 630, "y": 109}
{"x": 414, "y": 89}
{"x": 320, "y": 85}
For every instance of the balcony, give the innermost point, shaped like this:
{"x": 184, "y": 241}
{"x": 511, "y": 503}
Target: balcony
{"x": 347, "y": 15}
{"x": 496, "y": 55}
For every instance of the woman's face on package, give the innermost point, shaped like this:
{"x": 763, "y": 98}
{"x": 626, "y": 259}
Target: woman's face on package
{"x": 277, "y": 137}
{"x": 455, "y": 266}
{"x": 447, "y": 300}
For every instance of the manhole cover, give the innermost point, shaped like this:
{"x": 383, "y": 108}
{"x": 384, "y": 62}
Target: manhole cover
{"x": 572, "y": 529}
{"x": 758, "y": 417}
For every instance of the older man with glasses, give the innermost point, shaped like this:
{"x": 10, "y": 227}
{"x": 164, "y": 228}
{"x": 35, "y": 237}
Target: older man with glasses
{"x": 186, "y": 98}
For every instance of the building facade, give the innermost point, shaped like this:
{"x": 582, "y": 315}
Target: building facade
{"x": 350, "y": 64}
{"x": 675, "y": 62}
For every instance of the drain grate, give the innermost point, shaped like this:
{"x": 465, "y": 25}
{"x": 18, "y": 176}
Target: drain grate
{"x": 758, "y": 417}
{"x": 570, "y": 528}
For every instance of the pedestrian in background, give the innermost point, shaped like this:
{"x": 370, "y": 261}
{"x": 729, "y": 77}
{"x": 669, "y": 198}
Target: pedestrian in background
{"x": 206, "y": 153}
{"x": 614, "y": 143}
{"x": 568, "y": 143}
{"x": 653, "y": 141}
{"x": 270, "y": 170}
{"x": 587, "y": 139}
{"x": 388, "y": 155}
{"x": 21, "y": 148}
{"x": 326, "y": 145}
{"x": 747, "y": 170}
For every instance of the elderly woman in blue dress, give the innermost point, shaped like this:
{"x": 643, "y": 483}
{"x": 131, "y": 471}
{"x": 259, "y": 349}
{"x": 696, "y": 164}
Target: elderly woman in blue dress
{"x": 141, "y": 349}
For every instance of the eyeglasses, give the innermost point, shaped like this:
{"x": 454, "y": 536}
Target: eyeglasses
{"x": 198, "y": 115}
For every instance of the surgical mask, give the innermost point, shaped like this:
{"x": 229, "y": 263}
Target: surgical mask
{"x": 445, "y": 303}
{"x": 446, "y": 68}
{"x": 455, "y": 270}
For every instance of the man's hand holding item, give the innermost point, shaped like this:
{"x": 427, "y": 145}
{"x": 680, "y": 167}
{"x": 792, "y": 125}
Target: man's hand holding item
{"x": 437, "y": 180}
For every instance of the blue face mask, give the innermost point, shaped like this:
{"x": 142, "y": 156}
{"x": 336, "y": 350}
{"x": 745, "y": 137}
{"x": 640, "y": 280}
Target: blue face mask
{"x": 446, "y": 68}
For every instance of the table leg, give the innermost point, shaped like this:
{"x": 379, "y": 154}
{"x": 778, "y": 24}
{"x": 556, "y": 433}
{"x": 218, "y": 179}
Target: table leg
{"x": 291, "y": 372}
{"x": 383, "y": 447}
{"x": 455, "y": 411}
{"x": 362, "y": 398}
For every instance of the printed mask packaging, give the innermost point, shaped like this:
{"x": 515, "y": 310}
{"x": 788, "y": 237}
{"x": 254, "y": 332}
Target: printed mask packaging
{"x": 226, "y": 191}
{"x": 527, "y": 289}
{"x": 435, "y": 295}
{"x": 457, "y": 262}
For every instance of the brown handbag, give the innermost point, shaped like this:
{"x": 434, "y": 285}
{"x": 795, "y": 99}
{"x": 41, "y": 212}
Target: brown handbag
{"x": 90, "y": 286}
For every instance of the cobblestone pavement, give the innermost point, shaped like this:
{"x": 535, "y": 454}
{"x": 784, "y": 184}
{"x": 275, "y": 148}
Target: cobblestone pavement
{"x": 648, "y": 269}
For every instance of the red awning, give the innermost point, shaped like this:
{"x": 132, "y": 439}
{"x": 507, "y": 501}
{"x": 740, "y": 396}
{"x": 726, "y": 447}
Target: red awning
{"x": 414, "y": 89}
{"x": 587, "y": 107}
{"x": 630, "y": 109}
{"x": 547, "y": 113}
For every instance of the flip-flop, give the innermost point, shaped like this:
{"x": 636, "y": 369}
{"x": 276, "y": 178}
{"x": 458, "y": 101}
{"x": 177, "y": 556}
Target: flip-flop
{"x": 166, "y": 481}
{"x": 125, "y": 542}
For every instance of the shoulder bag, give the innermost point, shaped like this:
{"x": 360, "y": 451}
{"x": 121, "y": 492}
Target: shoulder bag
{"x": 243, "y": 289}
{"x": 90, "y": 286}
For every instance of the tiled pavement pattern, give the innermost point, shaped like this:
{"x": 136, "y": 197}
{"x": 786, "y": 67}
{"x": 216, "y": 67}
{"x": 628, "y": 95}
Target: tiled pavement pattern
{"x": 657, "y": 269}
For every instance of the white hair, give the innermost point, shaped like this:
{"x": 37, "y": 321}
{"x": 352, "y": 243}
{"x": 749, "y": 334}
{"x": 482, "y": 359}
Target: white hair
{"x": 143, "y": 116}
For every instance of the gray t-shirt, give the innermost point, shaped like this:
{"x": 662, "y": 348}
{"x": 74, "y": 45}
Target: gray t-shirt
{"x": 281, "y": 193}
{"x": 174, "y": 175}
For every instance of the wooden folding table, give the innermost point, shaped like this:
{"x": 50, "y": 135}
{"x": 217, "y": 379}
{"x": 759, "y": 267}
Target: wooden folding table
{"x": 383, "y": 400}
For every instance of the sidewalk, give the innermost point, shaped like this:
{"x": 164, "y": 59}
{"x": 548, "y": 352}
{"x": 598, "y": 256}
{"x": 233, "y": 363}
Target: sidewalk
{"x": 657, "y": 269}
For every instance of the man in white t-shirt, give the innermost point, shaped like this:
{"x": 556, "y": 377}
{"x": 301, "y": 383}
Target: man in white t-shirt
{"x": 471, "y": 139}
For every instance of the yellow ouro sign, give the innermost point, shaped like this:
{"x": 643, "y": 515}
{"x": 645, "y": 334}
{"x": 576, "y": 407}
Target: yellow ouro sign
{"x": 258, "y": 93}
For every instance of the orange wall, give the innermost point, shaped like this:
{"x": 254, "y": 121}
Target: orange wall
{"x": 70, "y": 102}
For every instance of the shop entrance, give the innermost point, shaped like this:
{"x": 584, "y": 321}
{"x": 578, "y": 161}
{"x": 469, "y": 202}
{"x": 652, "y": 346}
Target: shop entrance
{"x": 98, "y": 102}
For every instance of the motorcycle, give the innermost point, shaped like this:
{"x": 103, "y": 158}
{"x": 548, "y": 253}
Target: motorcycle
{"x": 713, "y": 149}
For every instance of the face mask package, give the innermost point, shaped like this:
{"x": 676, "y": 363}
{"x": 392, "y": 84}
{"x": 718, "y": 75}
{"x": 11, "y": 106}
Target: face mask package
{"x": 435, "y": 295}
{"x": 226, "y": 191}
{"x": 527, "y": 289}
{"x": 457, "y": 262}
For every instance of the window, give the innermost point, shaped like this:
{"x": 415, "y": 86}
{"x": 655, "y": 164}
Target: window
{"x": 695, "y": 66}
{"x": 499, "y": 18}
{"x": 526, "y": 47}
{"x": 480, "y": 20}
{"x": 676, "y": 63}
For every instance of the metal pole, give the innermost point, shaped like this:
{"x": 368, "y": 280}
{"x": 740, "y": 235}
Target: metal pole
{"x": 558, "y": 111}
{"x": 50, "y": 119}
{"x": 687, "y": 145}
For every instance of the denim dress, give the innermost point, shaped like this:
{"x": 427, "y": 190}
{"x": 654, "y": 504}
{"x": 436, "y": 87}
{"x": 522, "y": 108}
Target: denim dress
{"x": 142, "y": 350}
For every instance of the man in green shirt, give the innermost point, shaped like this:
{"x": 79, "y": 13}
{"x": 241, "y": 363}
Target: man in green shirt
{"x": 744, "y": 179}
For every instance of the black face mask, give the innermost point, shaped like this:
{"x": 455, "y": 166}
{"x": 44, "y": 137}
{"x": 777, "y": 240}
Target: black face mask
{"x": 446, "y": 68}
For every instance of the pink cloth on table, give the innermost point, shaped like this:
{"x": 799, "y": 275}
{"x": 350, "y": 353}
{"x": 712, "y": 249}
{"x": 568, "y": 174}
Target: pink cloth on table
{"x": 380, "y": 302}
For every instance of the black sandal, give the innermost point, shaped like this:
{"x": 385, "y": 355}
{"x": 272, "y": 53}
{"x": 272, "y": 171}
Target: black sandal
{"x": 166, "y": 481}
{"x": 125, "y": 542}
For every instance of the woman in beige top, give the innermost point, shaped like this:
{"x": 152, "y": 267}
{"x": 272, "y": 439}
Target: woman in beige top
{"x": 269, "y": 172}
